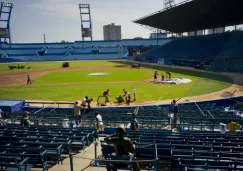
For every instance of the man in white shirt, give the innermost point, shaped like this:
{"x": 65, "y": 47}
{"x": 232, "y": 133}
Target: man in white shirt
{"x": 134, "y": 93}
{"x": 99, "y": 122}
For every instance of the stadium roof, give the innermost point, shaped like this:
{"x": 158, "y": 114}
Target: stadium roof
{"x": 196, "y": 15}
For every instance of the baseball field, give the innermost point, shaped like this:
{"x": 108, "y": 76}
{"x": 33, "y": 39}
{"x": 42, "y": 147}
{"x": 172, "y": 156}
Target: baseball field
{"x": 51, "y": 82}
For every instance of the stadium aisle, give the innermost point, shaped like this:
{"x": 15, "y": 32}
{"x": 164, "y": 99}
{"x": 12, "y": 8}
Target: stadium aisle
{"x": 81, "y": 164}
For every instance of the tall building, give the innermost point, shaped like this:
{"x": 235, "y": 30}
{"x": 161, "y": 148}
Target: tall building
{"x": 112, "y": 32}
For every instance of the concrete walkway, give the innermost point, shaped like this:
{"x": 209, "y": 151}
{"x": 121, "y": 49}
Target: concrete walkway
{"x": 80, "y": 164}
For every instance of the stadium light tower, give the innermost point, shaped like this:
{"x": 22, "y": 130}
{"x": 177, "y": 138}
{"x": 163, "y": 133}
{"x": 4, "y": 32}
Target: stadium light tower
{"x": 169, "y": 4}
{"x": 86, "y": 22}
{"x": 5, "y": 15}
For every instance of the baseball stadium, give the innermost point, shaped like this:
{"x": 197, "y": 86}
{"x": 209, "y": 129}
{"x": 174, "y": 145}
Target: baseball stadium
{"x": 170, "y": 102}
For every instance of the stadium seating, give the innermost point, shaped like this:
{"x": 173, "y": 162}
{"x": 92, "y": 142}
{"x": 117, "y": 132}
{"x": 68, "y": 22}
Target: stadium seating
{"x": 191, "y": 50}
{"x": 199, "y": 143}
{"x": 187, "y": 149}
{"x": 42, "y": 144}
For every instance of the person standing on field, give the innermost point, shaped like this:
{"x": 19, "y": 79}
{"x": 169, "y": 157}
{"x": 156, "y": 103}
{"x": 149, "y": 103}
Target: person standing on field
{"x": 29, "y": 82}
{"x": 163, "y": 76}
{"x": 134, "y": 93}
{"x": 155, "y": 77}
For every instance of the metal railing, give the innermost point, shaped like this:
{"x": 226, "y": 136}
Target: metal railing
{"x": 102, "y": 162}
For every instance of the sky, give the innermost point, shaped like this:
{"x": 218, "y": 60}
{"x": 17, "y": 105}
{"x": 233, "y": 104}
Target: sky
{"x": 60, "y": 19}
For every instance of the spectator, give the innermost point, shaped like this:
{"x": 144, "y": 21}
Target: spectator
{"x": 223, "y": 129}
{"x": 134, "y": 122}
{"x": 2, "y": 123}
{"x": 25, "y": 121}
{"x": 123, "y": 146}
{"x": 232, "y": 126}
{"x": 77, "y": 113}
{"x": 1, "y": 112}
{"x": 134, "y": 93}
{"x": 99, "y": 122}
{"x": 175, "y": 109}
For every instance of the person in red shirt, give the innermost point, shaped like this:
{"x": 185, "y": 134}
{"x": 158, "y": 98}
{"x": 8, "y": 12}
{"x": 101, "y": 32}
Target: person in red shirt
{"x": 106, "y": 94}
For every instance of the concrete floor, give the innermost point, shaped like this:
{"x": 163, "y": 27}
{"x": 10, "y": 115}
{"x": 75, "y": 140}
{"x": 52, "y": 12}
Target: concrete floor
{"x": 80, "y": 164}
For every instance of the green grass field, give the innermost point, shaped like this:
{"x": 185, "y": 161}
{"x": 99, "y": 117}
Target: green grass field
{"x": 82, "y": 76}
{"x": 74, "y": 89}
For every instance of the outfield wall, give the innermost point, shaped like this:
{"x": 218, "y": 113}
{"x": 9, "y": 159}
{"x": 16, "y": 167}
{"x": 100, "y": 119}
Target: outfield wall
{"x": 69, "y": 57}
{"x": 78, "y": 50}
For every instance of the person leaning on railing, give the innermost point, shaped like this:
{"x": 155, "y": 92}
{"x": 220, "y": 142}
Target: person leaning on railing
{"x": 123, "y": 146}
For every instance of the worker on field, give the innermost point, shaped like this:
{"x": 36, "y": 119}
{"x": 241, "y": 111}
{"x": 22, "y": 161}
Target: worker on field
{"x": 134, "y": 93}
{"x": 155, "y": 76}
{"x": 125, "y": 92}
{"x": 29, "y": 82}
{"x": 163, "y": 76}
{"x": 169, "y": 75}
{"x": 106, "y": 94}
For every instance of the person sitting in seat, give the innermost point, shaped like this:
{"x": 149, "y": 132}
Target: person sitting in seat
{"x": 123, "y": 146}
{"x": 25, "y": 121}
{"x": 232, "y": 126}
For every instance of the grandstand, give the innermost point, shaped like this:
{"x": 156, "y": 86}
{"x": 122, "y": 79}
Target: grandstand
{"x": 54, "y": 142}
{"x": 199, "y": 142}
{"x": 210, "y": 49}
{"x": 218, "y": 52}
{"x": 79, "y": 50}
